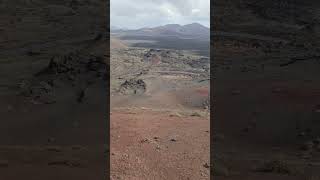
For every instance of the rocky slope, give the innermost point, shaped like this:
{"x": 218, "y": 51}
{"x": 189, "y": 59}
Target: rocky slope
{"x": 53, "y": 89}
{"x": 159, "y": 104}
{"x": 265, "y": 89}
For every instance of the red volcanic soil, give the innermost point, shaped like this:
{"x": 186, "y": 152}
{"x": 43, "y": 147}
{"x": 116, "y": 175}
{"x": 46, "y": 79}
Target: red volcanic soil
{"x": 155, "y": 59}
{"x": 203, "y": 91}
{"x": 149, "y": 144}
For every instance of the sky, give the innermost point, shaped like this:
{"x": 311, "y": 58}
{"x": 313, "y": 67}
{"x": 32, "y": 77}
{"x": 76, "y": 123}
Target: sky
{"x": 134, "y": 14}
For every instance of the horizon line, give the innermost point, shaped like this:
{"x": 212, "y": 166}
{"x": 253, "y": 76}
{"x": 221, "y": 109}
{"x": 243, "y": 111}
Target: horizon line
{"x": 159, "y": 26}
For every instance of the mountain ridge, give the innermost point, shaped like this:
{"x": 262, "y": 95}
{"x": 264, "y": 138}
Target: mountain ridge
{"x": 195, "y": 30}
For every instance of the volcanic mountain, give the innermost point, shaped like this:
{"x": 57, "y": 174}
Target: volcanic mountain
{"x": 194, "y": 30}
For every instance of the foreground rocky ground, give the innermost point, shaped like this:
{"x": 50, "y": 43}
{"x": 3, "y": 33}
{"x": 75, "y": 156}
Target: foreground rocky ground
{"x": 266, "y": 90}
{"x": 53, "y": 89}
{"x": 153, "y": 144}
{"x": 160, "y": 117}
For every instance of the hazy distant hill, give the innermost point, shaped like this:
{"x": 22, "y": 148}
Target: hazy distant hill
{"x": 116, "y": 28}
{"x": 194, "y": 31}
{"x": 116, "y": 43}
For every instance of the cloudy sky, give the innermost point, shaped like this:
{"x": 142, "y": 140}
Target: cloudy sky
{"x": 135, "y": 14}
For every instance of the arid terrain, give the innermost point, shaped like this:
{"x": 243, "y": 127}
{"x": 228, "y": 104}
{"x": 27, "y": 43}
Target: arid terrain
{"x": 266, "y": 90}
{"x": 160, "y": 126}
{"x": 53, "y": 89}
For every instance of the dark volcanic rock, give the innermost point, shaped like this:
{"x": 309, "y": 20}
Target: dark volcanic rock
{"x": 133, "y": 87}
{"x": 76, "y": 70}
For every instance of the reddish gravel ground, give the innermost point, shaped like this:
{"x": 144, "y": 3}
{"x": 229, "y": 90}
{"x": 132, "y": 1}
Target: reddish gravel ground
{"x": 150, "y": 144}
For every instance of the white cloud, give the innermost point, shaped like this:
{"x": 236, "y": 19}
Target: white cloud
{"x": 149, "y": 13}
{"x": 195, "y": 11}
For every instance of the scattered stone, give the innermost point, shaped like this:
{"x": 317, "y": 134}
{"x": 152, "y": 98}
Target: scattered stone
{"x": 156, "y": 138}
{"x": 277, "y": 90}
{"x": 59, "y": 10}
{"x": 244, "y": 69}
{"x": 33, "y": 53}
{"x": 206, "y": 104}
{"x": 317, "y": 109}
{"x": 308, "y": 146}
{"x": 218, "y": 137}
{"x": 71, "y": 77}
{"x": 50, "y": 140}
{"x": 125, "y": 155}
{"x": 308, "y": 130}
{"x": 131, "y": 111}
{"x": 316, "y": 141}
{"x": 98, "y": 37}
{"x": 176, "y": 114}
{"x": 70, "y": 163}
{"x": 9, "y": 108}
{"x": 77, "y": 147}
{"x": 33, "y": 101}
{"x": 220, "y": 170}
{"x": 106, "y": 151}
{"x": 276, "y": 166}
{"x": 196, "y": 114}
{"x": 81, "y": 95}
{"x": 62, "y": 162}
{"x": 173, "y": 140}
{"x": 305, "y": 155}
{"x": 74, "y": 4}
{"x": 247, "y": 129}
{"x": 44, "y": 100}
{"x": 203, "y": 174}
{"x": 235, "y": 92}
{"x": 54, "y": 149}
{"x": 4, "y": 163}
{"x": 24, "y": 85}
{"x": 206, "y": 165}
{"x": 146, "y": 140}
{"x": 302, "y": 134}
{"x": 96, "y": 65}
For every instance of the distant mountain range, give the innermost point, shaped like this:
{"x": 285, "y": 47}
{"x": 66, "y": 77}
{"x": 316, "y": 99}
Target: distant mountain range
{"x": 116, "y": 28}
{"x": 194, "y": 30}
